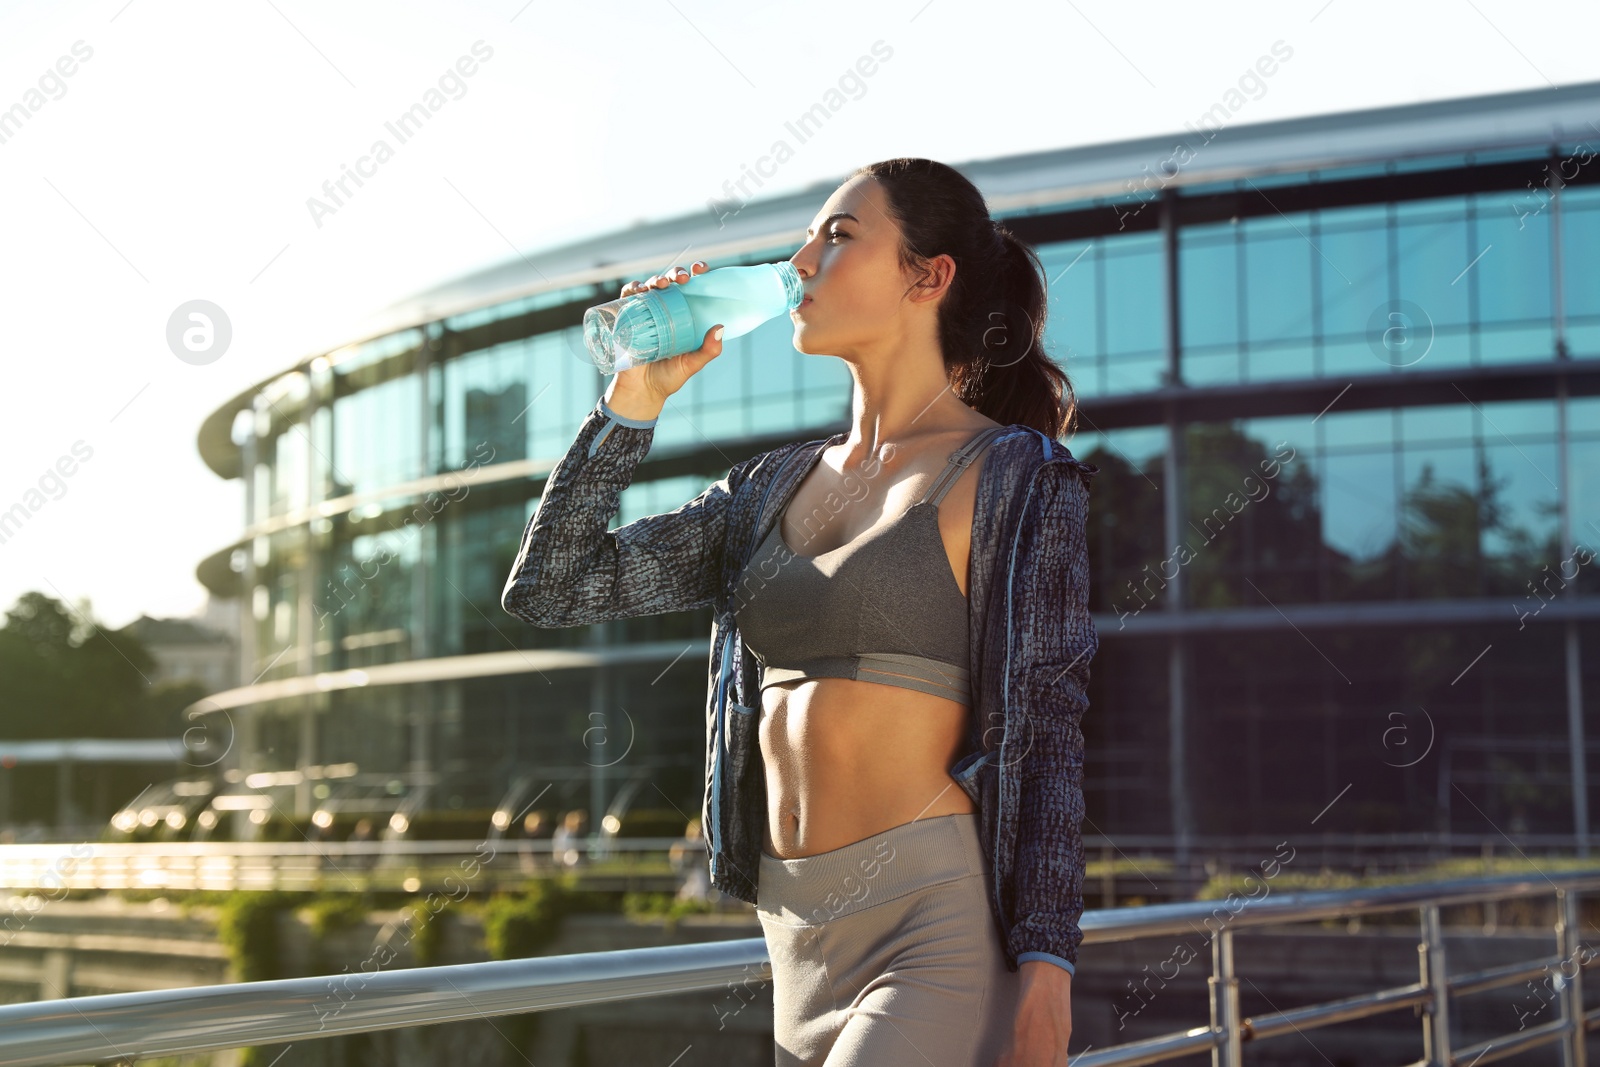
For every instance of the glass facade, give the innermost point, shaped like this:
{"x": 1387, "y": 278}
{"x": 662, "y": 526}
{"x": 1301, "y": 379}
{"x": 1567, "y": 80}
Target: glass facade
{"x": 1446, "y": 501}
{"x": 1352, "y": 446}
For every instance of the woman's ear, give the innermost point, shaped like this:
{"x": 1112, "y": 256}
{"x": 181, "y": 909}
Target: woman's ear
{"x": 934, "y": 277}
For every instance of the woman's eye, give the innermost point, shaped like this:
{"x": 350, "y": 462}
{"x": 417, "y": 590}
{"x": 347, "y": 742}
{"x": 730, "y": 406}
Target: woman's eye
{"x": 837, "y": 233}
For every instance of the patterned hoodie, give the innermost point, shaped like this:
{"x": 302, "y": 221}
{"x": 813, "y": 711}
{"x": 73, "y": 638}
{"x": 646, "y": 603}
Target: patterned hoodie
{"x": 1030, "y": 635}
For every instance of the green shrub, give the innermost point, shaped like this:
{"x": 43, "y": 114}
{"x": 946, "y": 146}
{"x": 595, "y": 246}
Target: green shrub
{"x": 662, "y": 906}
{"x": 516, "y": 926}
{"x": 1246, "y": 883}
{"x": 248, "y": 928}
{"x": 427, "y": 932}
{"x": 520, "y": 925}
{"x": 261, "y": 1055}
{"x": 336, "y": 911}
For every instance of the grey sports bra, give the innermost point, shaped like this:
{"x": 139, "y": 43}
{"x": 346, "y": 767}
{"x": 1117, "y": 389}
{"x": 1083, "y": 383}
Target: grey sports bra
{"x": 883, "y": 608}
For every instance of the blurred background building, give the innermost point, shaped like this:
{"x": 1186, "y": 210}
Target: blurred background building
{"x": 203, "y": 649}
{"x": 1340, "y": 377}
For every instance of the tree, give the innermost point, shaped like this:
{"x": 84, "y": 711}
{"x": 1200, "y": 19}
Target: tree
{"x": 65, "y": 677}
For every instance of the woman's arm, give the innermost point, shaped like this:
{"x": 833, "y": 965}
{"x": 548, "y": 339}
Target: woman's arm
{"x": 1057, "y": 639}
{"x": 571, "y": 571}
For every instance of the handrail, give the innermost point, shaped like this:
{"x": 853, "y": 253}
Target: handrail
{"x": 1199, "y": 845}
{"x": 308, "y": 865}
{"x": 123, "y": 1027}
{"x": 1126, "y": 924}
{"x": 1147, "y": 862}
{"x": 277, "y": 849}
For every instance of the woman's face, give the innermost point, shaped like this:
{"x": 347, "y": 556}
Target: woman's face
{"x": 850, "y": 268}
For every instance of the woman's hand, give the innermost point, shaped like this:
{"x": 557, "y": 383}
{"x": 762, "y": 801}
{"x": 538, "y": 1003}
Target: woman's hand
{"x": 644, "y": 389}
{"x": 1043, "y": 1022}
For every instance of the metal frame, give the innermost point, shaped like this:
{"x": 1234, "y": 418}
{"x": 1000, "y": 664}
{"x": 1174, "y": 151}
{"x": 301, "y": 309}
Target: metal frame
{"x": 121, "y": 1028}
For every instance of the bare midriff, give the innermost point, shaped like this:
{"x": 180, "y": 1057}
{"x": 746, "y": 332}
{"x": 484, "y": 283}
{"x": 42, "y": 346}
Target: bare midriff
{"x": 844, "y": 758}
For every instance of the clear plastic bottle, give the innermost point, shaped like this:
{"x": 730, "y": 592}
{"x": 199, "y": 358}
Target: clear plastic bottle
{"x": 659, "y": 323}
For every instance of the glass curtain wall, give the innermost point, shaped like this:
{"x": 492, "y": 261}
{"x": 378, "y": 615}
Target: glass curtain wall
{"x": 390, "y": 487}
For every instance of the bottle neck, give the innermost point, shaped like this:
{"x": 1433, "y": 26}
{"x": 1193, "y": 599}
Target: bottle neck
{"x": 793, "y": 289}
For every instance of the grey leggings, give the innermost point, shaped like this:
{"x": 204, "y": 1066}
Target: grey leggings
{"x": 886, "y": 952}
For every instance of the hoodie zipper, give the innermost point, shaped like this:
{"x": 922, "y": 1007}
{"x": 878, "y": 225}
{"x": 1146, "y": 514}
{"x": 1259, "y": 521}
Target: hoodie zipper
{"x": 719, "y": 738}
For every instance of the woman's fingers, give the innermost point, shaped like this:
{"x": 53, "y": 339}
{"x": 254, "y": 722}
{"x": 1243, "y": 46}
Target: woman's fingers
{"x": 667, "y": 277}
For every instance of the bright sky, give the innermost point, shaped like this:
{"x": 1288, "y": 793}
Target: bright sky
{"x": 175, "y": 161}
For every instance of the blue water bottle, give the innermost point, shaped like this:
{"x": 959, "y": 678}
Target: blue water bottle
{"x": 659, "y": 323}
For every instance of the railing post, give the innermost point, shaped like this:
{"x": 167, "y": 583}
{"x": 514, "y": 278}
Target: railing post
{"x": 1491, "y": 908}
{"x": 1573, "y": 1053}
{"x": 1436, "y": 1016}
{"x": 1229, "y": 1051}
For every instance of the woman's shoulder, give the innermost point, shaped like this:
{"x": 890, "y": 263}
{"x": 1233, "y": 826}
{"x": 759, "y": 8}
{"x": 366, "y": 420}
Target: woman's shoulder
{"x": 1022, "y": 451}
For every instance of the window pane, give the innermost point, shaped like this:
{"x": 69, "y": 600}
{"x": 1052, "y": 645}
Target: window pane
{"x": 1439, "y": 527}
{"x": 1521, "y": 532}
{"x": 483, "y": 407}
{"x": 1125, "y": 524}
{"x": 1584, "y": 470}
{"x": 1580, "y": 263}
{"x": 1209, "y": 276}
{"x": 1433, "y": 262}
{"x": 563, "y": 389}
{"x": 376, "y": 436}
{"x": 1135, "y": 316}
{"x": 1278, "y": 287}
{"x": 1354, "y": 429}
{"x": 1278, "y": 361}
{"x": 1513, "y": 283}
{"x": 1359, "y": 504}
{"x": 1209, "y": 307}
{"x": 1354, "y": 285}
{"x": 1421, "y": 425}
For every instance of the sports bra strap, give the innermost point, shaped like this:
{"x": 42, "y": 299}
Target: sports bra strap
{"x": 959, "y": 461}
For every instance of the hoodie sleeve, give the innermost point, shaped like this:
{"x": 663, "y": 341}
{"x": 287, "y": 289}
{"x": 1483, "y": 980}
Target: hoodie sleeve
{"x": 572, "y": 571}
{"x": 1058, "y": 639}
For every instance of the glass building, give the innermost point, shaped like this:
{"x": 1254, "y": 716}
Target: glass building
{"x": 1341, "y": 376}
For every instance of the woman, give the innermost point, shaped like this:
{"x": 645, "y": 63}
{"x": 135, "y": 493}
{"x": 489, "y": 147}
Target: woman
{"x": 901, "y": 641}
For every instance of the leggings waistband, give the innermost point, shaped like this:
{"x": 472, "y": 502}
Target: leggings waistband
{"x": 900, "y": 860}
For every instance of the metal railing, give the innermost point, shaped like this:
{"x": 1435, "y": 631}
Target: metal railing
{"x": 1147, "y": 866}
{"x": 332, "y": 866}
{"x": 124, "y": 1027}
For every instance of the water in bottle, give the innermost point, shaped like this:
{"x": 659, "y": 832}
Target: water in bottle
{"x": 659, "y": 323}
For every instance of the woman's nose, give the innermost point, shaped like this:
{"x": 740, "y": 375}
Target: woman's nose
{"x": 802, "y": 263}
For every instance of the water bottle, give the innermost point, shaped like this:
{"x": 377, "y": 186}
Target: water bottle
{"x": 659, "y": 323}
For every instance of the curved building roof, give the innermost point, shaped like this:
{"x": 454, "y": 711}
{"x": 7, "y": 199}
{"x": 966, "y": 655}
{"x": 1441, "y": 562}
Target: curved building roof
{"x": 1214, "y": 149}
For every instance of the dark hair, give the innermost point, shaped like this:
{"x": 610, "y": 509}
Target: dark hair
{"x": 991, "y": 321}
